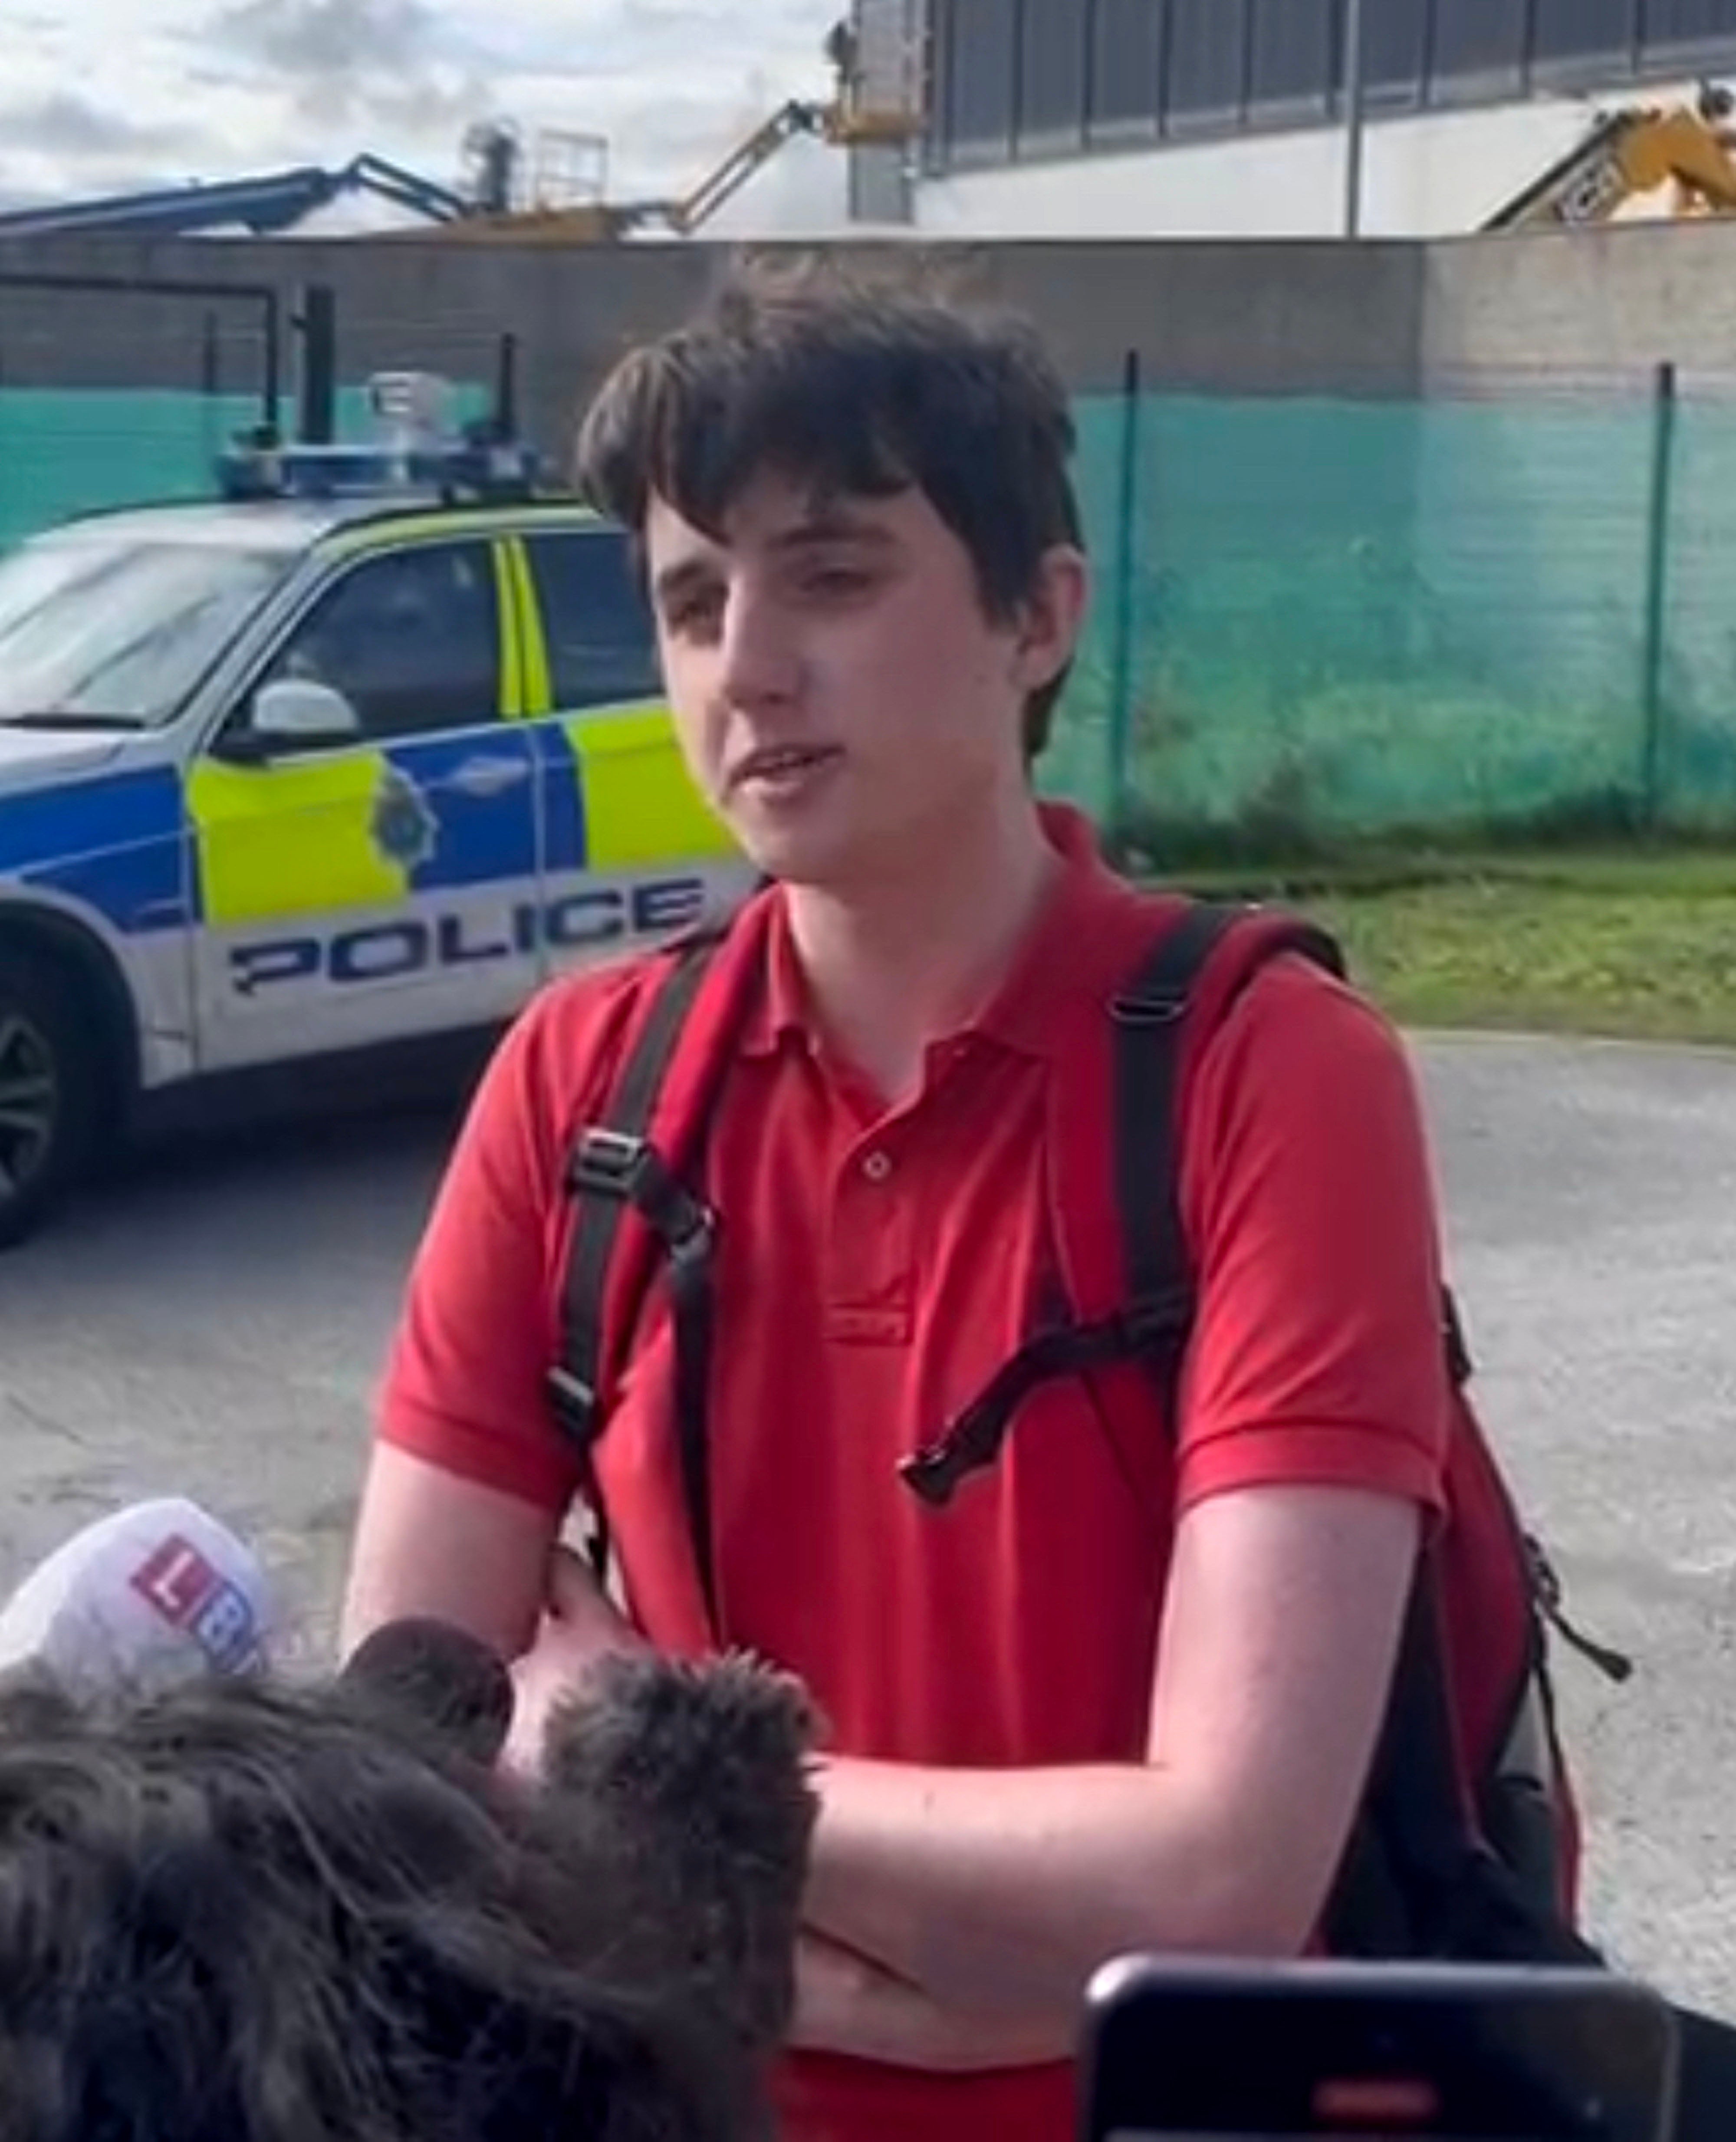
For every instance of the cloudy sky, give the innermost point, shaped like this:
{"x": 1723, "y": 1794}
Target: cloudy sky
{"x": 113, "y": 94}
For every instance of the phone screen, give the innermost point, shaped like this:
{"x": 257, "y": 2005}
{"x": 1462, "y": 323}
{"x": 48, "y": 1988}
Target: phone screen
{"x": 1336, "y": 2053}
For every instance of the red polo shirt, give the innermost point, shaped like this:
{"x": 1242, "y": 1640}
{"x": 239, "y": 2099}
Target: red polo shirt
{"x": 877, "y": 1268}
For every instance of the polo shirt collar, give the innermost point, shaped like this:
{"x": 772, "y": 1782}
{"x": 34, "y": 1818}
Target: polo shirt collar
{"x": 1065, "y": 950}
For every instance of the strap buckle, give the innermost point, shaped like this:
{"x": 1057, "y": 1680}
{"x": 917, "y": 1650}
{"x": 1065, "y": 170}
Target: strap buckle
{"x": 575, "y": 1401}
{"x": 610, "y": 1163}
{"x": 1149, "y": 1007}
{"x": 1460, "y": 1366}
{"x": 935, "y": 1472}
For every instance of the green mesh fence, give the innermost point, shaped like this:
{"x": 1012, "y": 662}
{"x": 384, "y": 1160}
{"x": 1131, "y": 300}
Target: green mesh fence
{"x": 1318, "y": 624}
{"x": 63, "y": 453}
{"x": 1323, "y": 623}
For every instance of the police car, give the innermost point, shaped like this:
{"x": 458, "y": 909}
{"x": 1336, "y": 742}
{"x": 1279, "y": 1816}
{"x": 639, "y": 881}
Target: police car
{"x": 364, "y": 749}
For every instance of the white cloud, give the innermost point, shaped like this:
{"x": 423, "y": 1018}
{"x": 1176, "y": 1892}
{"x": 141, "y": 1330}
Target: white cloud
{"x": 65, "y": 123}
{"x": 132, "y": 92}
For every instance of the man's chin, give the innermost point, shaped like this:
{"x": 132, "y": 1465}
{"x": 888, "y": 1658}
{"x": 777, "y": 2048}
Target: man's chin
{"x": 793, "y": 856}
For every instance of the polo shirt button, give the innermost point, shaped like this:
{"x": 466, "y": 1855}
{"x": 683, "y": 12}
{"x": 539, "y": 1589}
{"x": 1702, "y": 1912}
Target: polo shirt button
{"x": 877, "y": 1166}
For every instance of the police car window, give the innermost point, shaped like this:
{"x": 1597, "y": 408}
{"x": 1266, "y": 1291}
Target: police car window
{"x": 601, "y": 641}
{"x": 411, "y": 640}
{"x": 110, "y": 628}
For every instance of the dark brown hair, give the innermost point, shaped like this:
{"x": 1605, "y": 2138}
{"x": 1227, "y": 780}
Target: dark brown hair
{"x": 851, "y": 384}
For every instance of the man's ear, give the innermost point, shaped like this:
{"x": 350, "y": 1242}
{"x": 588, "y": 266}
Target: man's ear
{"x": 1052, "y": 617}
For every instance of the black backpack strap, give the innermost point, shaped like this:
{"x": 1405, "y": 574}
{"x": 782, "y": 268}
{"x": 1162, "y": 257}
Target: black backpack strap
{"x": 614, "y": 1166}
{"x": 612, "y": 1163}
{"x": 1152, "y": 1327}
{"x": 1148, "y": 1018}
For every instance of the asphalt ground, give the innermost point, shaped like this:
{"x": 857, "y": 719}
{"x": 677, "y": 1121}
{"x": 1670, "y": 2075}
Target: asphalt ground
{"x": 212, "y": 1322}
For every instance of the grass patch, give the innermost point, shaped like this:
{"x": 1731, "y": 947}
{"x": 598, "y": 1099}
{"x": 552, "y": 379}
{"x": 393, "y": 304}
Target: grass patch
{"x": 1631, "y": 944}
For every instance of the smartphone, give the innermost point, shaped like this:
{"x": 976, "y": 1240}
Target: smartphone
{"x": 1183, "y": 2051}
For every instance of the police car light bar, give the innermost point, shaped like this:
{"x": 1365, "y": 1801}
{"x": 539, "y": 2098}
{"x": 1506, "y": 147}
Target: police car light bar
{"x": 472, "y": 469}
{"x": 417, "y": 452}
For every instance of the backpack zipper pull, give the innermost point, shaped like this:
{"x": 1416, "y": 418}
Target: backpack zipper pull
{"x": 1616, "y": 1665}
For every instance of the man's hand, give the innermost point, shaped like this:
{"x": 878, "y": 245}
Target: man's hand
{"x": 846, "y": 2004}
{"x": 578, "y": 1626}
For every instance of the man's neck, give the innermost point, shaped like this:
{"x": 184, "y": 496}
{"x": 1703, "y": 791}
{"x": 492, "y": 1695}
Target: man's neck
{"x": 897, "y": 965}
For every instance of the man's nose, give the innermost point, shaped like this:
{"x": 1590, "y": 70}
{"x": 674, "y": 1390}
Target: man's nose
{"x": 761, "y": 661}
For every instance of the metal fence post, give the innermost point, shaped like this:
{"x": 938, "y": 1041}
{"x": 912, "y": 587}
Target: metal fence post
{"x": 1355, "y": 118}
{"x": 1653, "y": 693}
{"x": 317, "y": 322}
{"x": 211, "y": 387}
{"x": 1126, "y": 582}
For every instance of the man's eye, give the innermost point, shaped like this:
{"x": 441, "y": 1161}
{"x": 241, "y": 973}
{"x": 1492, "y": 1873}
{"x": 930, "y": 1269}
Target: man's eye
{"x": 838, "y": 581}
{"x": 693, "y": 612}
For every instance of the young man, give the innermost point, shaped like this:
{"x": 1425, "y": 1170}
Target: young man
{"x": 1124, "y": 1692}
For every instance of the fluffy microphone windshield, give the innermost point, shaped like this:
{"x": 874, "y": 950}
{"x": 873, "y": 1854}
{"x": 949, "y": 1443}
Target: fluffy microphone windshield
{"x": 435, "y": 1676}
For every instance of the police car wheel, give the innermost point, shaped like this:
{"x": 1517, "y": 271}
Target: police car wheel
{"x": 47, "y": 1095}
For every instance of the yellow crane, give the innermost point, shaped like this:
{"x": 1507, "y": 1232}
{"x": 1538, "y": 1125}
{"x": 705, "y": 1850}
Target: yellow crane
{"x": 1629, "y": 154}
{"x": 849, "y": 119}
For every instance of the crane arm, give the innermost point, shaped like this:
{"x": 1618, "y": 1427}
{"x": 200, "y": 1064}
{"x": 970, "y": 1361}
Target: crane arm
{"x": 1627, "y": 153}
{"x": 727, "y": 178}
{"x": 261, "y": 205}
{"x": 1684, "y": 148}
{"x": 274, "y": 201}
{"x": 406, "y": 189}
{"x": 1584, "y": 186}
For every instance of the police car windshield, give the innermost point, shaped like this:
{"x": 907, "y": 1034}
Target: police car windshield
{"x": 97, "y": 631}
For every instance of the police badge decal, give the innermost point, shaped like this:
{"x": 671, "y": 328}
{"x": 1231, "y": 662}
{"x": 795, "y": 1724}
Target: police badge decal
{"x": 404, "y": 830}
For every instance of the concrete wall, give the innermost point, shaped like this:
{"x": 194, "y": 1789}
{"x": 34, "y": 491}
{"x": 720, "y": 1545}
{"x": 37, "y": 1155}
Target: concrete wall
{"x": 1240, "y": 319}
{"x": 412, "y": 302}
{"x": 1302, "y": 316}
{"x": 1571, "y": 306}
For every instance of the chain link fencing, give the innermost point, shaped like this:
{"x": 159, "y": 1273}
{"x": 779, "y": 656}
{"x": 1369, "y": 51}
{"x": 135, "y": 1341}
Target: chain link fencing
{"x": 1502, "y": 613}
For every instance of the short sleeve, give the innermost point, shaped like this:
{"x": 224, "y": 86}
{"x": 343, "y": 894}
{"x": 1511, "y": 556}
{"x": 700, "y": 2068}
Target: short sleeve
{"x": 1318, "y": 1357}
{"x": 464, "y": 1384}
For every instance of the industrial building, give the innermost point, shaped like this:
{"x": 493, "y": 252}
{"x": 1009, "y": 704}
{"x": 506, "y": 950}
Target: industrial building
{"x": 1228, "y": 118}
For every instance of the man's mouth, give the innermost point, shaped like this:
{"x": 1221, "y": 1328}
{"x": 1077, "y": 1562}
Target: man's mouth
{"x": 781, "y": 765}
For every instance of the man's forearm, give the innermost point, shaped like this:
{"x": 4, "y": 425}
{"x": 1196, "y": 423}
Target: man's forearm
{"x": 1004, "y": 1892}
{"x": 430, "y": 1542}
{"x": 846, "y": 2004}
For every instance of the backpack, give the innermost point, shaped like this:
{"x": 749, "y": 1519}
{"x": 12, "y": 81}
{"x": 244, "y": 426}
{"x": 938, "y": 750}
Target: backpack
{"x": 1434, "y": 1868}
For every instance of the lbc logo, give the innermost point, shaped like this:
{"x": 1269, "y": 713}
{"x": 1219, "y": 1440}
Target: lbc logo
{"x": 184, "y": 1588}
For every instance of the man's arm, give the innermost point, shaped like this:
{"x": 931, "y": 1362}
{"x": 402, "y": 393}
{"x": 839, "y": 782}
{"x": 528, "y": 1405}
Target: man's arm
{"x": 430, "y": 1542}
{"x": 1313, "y": 1435}
{"x": 846, "y": 2004}
{"x": 469, "y": 1480}
{"x": 1002, "y": 1892}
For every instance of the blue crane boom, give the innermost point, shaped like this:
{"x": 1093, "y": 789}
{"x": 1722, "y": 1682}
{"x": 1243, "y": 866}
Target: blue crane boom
{"x": 273, "y": 202}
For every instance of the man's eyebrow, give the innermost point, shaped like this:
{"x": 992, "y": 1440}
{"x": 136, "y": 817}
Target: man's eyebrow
{"x": 825, "y": 524}
{"x": 834, "y": 525}
{"x": 680, "y": 578}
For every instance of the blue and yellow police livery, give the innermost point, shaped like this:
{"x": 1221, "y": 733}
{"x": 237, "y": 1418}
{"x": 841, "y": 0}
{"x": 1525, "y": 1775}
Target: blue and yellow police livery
{"x": 287, "y": 775}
